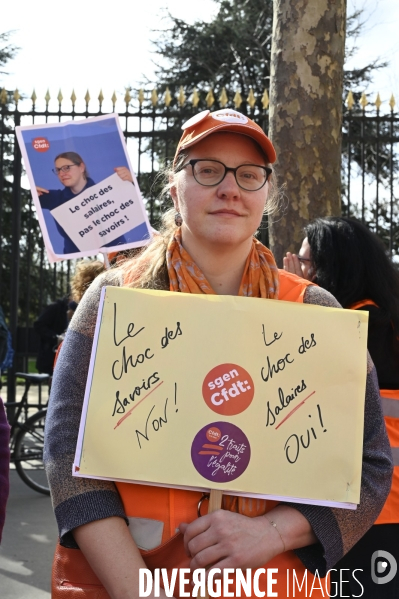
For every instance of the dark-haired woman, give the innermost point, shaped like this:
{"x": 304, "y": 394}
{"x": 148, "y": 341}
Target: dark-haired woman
{"x": 346, "y": 258}
{"x": 71, "y": 171}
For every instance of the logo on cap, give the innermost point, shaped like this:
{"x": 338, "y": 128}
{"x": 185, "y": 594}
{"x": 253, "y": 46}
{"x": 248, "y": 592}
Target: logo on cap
{"x": 195, "y": 119}
{"x": 229, "y": 116}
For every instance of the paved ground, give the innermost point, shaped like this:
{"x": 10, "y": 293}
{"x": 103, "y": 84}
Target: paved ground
{"x": 28, "y": 544}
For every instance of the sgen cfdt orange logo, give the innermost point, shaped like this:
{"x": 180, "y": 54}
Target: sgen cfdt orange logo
{"x": 41, "y": 144}
{"x": 228, "y": 389}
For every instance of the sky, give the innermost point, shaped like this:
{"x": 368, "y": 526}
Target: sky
{"x": 91, "y": 45}
{"x": 379, "y": 40}
{"x": 88, "y": 44}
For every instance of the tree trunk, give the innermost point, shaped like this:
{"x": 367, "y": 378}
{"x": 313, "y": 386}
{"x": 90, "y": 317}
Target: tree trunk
{"x": 306, "y": 113}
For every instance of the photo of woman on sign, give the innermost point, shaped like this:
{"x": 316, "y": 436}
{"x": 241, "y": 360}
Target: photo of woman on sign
{"x": 71, "y": 170}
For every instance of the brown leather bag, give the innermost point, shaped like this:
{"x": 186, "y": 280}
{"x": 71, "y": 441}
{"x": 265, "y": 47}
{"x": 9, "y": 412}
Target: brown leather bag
{"x": 73, "y": 578}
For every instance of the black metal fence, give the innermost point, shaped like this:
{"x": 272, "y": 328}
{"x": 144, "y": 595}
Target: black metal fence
{"x": 370, "y": 167}
{"x": 151, "y": 125}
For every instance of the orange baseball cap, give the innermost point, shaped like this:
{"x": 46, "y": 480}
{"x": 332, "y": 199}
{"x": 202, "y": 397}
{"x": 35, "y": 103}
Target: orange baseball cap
{"x": 205, "y": 123}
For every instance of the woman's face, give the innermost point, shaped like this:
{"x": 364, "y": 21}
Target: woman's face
{"x": 304, "y": 257}
{"x": 72, "y": 177}
{"x": 223, "y": 214}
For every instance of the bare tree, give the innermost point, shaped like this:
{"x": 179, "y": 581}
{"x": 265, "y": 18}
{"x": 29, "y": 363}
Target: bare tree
{"x": 308, "y": 49}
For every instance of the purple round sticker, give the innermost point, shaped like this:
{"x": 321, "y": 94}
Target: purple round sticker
{"x": 220, "y": 452}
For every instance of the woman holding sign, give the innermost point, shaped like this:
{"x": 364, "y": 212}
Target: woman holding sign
{"x": 71, "y": 170}
{"x": 221, "y": 183}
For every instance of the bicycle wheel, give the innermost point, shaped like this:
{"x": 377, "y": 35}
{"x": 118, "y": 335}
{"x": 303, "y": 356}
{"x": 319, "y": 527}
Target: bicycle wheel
{"x": 28, "y": 453}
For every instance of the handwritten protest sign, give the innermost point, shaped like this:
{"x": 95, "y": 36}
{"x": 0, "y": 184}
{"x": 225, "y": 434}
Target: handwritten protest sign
{"x": 85, "y": 191}
{"x": 255, "y": 397}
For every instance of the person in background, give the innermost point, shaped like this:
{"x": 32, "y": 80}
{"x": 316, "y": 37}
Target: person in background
{"x": 346, "y": 258}
{"x": 50, "y": 326}
{"x": 221, "y": 182}
{"x": 85, "y": 273}
{"x": 88, "y": 270}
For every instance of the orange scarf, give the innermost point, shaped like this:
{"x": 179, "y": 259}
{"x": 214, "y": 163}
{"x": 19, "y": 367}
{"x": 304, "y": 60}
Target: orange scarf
{"x": 260, "y": 277}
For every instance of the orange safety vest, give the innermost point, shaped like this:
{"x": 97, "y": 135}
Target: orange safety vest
{"x": 174, "y": 506}
{"x": 390, "y": 408}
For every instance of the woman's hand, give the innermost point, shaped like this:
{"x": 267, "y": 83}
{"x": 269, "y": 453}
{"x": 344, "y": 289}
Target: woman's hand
{"x": 292, "y": 264}
{"x": 41, "y": 190}
{"x": 225, "y": 539}
{"x": 124, "y": 173}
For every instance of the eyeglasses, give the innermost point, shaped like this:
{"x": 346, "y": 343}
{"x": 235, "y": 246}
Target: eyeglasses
{"x": 304, "y": 259}
{"x": 64, "y": 169}
{"x": 250, "y": 177}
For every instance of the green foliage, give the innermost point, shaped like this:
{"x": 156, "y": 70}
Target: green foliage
{"x": 38, "y": 285}
{"x": 7, "y": 50}
{"x": 233, "y": 50}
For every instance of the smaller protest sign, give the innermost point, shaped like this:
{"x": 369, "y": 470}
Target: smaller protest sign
{"x": 84, "y": 189}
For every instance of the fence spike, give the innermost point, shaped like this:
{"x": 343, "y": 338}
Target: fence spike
{"x": 265, "y": 100}
{"x": 16, "y": 96}
{"x": 87, "y": 97}
{"x": 349, "y": 101}
{"x": 195, "y": 98}
{"x": 141, "y": 97}
{"x": 378, "y": 101}
{"x": 154, "y": 97}
{"x": 251, "y": 98}
{"x": 33, "y": 97}
{"x": 210, "y": 98}
{"x": 127, "y": 97}
{"x": 237, "y": 100}
{"x": 392, "y": 102}
{"x": 181, "y": 97}
{"x": 73, "y": 98}
{"x": 101, "y": 97}
{"x": 168, "y": 97}
{"x": 60, "y": 97}
{"x": 3, "y": 96}
{"x": 113, "y": 99}
{"x": 223, "y": 98}
{"x": 363, "y": 101}
{"x": 47, "y": 97}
